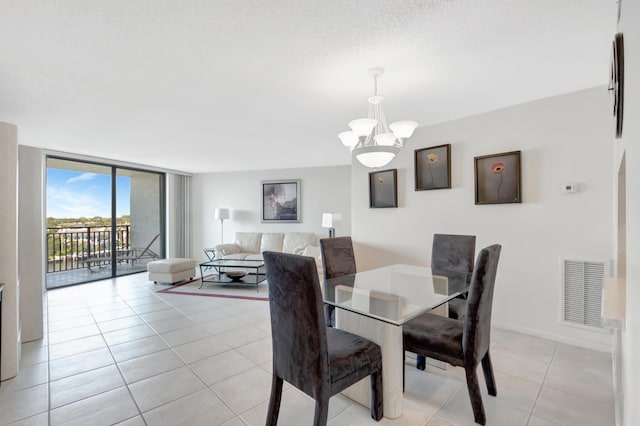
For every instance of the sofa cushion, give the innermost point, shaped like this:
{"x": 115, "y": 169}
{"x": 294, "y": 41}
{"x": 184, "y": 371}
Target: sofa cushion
{"x": 296, "y": 242}
{"x": 271, "y": 241}
{"x": 249, "y": 242}
{"x": 223, "y": 250}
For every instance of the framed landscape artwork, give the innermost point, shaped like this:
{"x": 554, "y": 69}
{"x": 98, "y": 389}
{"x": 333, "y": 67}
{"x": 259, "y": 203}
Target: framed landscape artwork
{"x": 383, "y": 189}
{"x": 433, "y": 167}
{"x": 280, "y": 201}
{"x": 497, "y": 178}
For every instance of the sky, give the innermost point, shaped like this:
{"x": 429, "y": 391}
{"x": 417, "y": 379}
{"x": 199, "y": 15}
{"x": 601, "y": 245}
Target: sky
{"x": 73, "y": 194}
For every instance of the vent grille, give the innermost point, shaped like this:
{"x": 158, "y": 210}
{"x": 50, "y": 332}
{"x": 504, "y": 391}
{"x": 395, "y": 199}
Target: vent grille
{"x": 582, "y": 285}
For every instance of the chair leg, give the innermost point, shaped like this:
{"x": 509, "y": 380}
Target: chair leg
{"x": 322, "y": 410}
{"x": 377, "y": 409}
{"x": 274, "y": 401}
{"x": 487, "y": 369}
{"x": 474, "y": 395}
{"x": 421, "y": 362}
{"x": 329, "y": 314}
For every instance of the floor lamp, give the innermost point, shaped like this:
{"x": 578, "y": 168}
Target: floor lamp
{"x": 221, "y": 215}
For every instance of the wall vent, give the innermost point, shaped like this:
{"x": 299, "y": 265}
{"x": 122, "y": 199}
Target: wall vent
{"x": 582, "y": 291}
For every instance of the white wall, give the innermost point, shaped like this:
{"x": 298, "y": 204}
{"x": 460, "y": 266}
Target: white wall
{"x": 31, "y": 244}
{"x": 9, "y": 249}
{"x": 629, "y": 144}
{"x": 324, "y": 189}
{"x": 564, "y": 139}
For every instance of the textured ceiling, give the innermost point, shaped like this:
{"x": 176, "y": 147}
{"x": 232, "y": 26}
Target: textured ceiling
{"x": 203, "y": 86}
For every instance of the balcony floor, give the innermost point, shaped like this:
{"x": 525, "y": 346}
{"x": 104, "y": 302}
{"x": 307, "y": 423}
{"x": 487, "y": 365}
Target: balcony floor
{"x": 85, "y": 275}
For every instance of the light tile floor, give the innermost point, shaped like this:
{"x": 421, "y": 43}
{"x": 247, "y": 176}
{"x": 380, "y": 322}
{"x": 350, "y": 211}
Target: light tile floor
{"x": 116, "y": 352}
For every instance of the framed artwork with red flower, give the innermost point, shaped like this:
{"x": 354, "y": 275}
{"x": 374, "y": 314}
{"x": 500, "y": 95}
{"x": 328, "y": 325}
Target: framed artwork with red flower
{"x": 497, "y": 178}
{"x": 433, "y": 167}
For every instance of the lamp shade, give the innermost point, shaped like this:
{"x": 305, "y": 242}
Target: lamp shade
{"x": 348, "y": 138}
{"x": 403, "y": 129}
{"x": 330, "y": 219}
{"x": 363, "y": 126}
{"x": 221, "y": 214}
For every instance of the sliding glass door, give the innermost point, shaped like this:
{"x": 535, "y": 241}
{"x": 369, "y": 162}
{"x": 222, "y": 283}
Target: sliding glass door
{"x": 102, "y": 220}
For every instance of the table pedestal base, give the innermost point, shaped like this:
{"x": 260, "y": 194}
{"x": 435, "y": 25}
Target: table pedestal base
{"x": 389, "y": 337}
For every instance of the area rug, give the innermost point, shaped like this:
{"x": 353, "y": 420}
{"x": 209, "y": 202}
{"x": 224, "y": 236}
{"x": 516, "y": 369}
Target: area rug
{"x": 230, "y": 291}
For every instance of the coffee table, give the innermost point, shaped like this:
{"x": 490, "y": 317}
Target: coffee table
{"x": 233, "y": 271}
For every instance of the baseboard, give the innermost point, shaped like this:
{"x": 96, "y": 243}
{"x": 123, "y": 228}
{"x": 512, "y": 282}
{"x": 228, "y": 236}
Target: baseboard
{"x": 601, "y": 347}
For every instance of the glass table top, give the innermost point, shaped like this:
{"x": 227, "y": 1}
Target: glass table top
{"x": 395, "y": 293}
{"x": 235, "y": 263}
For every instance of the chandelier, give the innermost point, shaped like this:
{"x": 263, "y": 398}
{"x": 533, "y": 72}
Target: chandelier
{"x": 372, "y": 142}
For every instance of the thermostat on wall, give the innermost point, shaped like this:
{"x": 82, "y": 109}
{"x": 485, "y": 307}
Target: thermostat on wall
{"x": 570, "y": 187}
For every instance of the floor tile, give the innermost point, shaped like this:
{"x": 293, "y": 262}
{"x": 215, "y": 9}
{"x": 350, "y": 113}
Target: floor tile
{"x": 540, "y": 382}
{"x": 34, "y": 352}
{"x": 201, "y": 349}
{"x": 259, "y": 351}
{"x": 184, "y": 335}
{"x": 75, "y": 364}
{"x": 133, "y": 421}
{"x": 84, "y": 385}
{"x": 41, "y": 419}
{"x": 568, "y": 409}
{"x": 245, "y": 390}
{"x": 538, "y": 421}
{"x": 103, "y": 409}
{"x": 170, "y": 324}
{"x": 242, "y": 336}
{"x": 458, "y": 411}
{"x": 119, "y": 324}
{"x": 74, "y": 347}
{"x": 221, "y": 367}
{"x": 149, "y": 365}
{"x": 165, "y": 313}
{"x": 73, "y": 333}
{"x": 584, "y": 373}
{"x": 199, "y": 408}
{"x": 137, "y": 348}
{"x": 29, "y": 376}
{"x": 70, "y": 323}
{"x": 112, "y": 315}
{"x": 128, "y": 334}
{"x": 159, "y": 390}
{"x": 23, "y": 403}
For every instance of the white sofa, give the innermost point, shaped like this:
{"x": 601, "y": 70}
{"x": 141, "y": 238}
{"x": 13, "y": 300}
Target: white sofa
{"x": 250, "y": 245}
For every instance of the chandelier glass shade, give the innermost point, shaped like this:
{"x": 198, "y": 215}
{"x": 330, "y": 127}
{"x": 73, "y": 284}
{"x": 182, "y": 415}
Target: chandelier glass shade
{"x": 371, "y": 141}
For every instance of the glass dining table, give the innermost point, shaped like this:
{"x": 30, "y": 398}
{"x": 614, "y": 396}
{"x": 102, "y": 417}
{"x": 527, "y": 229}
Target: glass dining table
{"x": 376, "y": 303}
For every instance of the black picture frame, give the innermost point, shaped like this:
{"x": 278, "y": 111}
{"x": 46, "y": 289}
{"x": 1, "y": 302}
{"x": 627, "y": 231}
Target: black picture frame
{"x": 280, "y": 201}
{"x": 432, "y": 168}
{"x": 383, "y": 189}
{"x": 616, "y": 81}
{"x": 497, "y": 178}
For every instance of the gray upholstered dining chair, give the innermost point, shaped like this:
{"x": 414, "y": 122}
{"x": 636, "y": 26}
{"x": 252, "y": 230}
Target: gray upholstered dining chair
{"x": 338, "y": 259}
{"x": 453, "y": 253}
{"x": 452, "y": 256}
{"x": 463, "y": 343}
{"x": 318, "y": 360}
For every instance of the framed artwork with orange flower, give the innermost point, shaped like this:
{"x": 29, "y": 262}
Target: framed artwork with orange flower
{"x": 433, "y": 167}
{"x": 497, "y": 178}
{"x": 383, "y": 188}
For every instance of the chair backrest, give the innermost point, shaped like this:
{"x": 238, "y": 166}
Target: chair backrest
{"x": 453, "y": 252}
{"x": 452, "y": 256}
{"x": 338, "y": 258}
{"x": 298, "y": 328}
{"x": 477, "y": 322}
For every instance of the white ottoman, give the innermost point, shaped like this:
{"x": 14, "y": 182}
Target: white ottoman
{"x": 171, "y": 270}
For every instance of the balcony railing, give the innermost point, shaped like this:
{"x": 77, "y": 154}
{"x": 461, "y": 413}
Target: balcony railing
{"x": 69, "y": 248}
